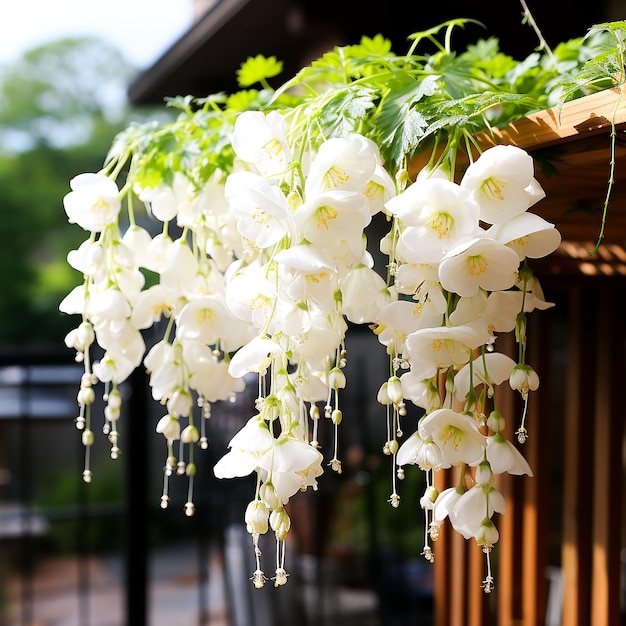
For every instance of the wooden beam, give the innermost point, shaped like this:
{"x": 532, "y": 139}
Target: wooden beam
{"x": 583, "y": 117}
{"x": 607, "y": 489}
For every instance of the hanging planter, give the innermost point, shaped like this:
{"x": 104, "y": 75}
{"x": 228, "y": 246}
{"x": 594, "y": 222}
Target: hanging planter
{"x": 263, "y": 200}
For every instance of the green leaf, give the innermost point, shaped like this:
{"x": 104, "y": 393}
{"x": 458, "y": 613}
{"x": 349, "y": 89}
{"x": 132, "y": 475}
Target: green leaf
{"x": 257, "y": 69}
{"x": 344, "y": 112}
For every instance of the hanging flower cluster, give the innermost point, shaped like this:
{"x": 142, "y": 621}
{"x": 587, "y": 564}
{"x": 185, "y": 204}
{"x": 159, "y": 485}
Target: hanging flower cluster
{"x": 259, "y": 261}
{"x": 459, "y": 257}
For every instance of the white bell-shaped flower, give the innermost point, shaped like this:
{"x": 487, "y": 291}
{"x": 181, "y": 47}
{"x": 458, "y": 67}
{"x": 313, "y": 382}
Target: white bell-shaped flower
{"x": 480, "y": 263}
{"x": 528, "y": 234}
{"x": 439, "y": 215}
{"x": 456, "y": 435}
{"x": 502, "y": 182}
{"x": 259, "y": 139}
{"x": 93, "y": 203}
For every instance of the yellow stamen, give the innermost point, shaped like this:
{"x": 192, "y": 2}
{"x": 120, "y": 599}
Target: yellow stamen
{"x": 318, "y": 278}
{"x": 260, "y": 216}
{"x": 205, "y": 315}
{"x": 272, "y": 147}
{"x": 453, "y": 435}
{"x": 477, "y": 265}
{"x": 493, "y": 188}
{"x": 100, "y": 205}
{"x": 441, "y": 224}
{"x": 324, "y": 215}
{"x": 334, "y": 178}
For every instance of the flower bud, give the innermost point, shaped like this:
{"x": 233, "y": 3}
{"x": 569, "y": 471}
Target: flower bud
{"x": 495, "y": 421}
{"x": 268, "y": 494}
{"x": 190, "y": 434}
{"x": 111, "y": 413}
{"x": 336, "y": 378}
{"x": 484, "y": 475}
{"x": 169, "y": 427}
{"x": 86, "y": 335}
{"x": 115, "y": 399}
{"x": 87, "y": 437}
{"x": 180, "y": 403}
{"x": 427, "y": 501}
{"x": 383, "y": 395}
{"x": 394, "y": 389}
{"x": 524, "y": 379}
{"x": 86, "y": 395}
{"x": 256, "y": 517}
{"x": 280, "y": 523}
{"x": 487, "y": 534}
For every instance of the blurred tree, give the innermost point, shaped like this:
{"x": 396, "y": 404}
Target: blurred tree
{"x": 61, "y": 105}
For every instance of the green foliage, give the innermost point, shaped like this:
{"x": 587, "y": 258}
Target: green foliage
{"x": 258, "y": 69}
{"x": 56, "y": 119}
{"x": 431, "y": 96}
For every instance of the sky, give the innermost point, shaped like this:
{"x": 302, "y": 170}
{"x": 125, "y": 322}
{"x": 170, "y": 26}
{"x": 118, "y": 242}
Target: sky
{"x": 141, "y": 29}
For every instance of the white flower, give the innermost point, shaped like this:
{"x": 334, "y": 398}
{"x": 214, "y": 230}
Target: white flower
{"x": 156, "y": 254}
{"x": 257, "y": 517}
{"x": 420, "y": 392}
{"x": 342, "y": 163}
{"x": 379, "y": 189}
{"x": 150, "y": 306}
{"x": 474, "y": 506}
{"x": 445, "y": 503}
{"x": 364, "y": 293}
{"x": 456, "y": 435}
{"x": 503, "y": 456}
{"x": 75, "y": 302}
{"x": 334, "y": 221}
{"x": 481, "y": 263}
{"x": 422, "y": 452}
{"x": 398, "y": 319}
{"x": 114, "y": 367}
{"x": 251, "y": 292}
{"x": 89, "y": 259}
{"x": 439, "y": 215}
{"x": 164, "y": 200}
{"x": 259, "y": 139}
{"x": 93, "y": 203}
{"x": 421, "y": 280}
{"x": 489, "y": 369}
{"x": 431, "y": 349}
{"x": 169, "y": 427}
{"x": 528, "y": 234}
{"x": 255, "y": 356}
{"x": 110, "y": 308}
{"x": 190, "y": 434}
{"x": 208, "y": 375}
{"x": 502, "y": 183}
{"x": 246, "y": 448}
{"x": 286, "y": 479}
{"x": 322, "y": 339}
{"x": 179, "y": 274}
{"x": 164, "y": 364}
{"x": 204, "y": 319}
{"x": 262, "y": 208}
{"x": 524, "y": 379}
